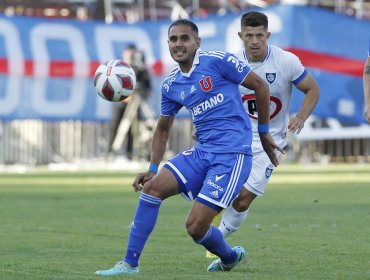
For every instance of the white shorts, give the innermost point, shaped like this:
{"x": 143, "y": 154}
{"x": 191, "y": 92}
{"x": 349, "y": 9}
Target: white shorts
{"x": 260, "y": 174}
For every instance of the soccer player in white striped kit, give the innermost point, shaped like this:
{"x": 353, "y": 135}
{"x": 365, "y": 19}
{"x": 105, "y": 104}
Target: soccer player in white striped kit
{"x": 280, "y": 69}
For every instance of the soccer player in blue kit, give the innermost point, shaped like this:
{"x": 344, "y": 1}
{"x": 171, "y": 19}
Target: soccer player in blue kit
{"x": 213, "y": 172}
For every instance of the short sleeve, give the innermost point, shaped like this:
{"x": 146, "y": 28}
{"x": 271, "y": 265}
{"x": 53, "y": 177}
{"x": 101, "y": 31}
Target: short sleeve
{"x": 233, "y": 69}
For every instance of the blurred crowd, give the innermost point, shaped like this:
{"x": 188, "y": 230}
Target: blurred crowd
{"x": 133, "y": 10}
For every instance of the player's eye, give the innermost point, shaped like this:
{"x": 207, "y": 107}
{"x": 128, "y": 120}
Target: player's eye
{"x": 173, "y": 39}
{"x": 185, "y": 38}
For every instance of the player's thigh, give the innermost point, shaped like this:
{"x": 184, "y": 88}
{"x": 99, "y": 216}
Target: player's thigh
{"x": 162, "y": 185}
{"x": 225, "y": 179}
{"x": 260, "y": 174}
{"x": 189, "y": 169}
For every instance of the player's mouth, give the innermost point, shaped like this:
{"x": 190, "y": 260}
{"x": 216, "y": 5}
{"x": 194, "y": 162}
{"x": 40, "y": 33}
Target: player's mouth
{"x": 180, "y": 52}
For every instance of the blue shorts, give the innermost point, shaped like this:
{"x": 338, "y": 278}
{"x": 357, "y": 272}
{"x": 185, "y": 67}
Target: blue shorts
{"x": 210, "y": 178}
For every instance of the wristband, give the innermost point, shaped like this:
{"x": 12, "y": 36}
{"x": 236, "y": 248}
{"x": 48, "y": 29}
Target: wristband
{"x": 263, "y": 128}
{"x": 153, "y": 167}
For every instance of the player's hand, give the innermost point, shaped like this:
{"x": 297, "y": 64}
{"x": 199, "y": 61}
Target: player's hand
{"x": 141, "y": 179}
{"x": 269, "y": 146}
{"x": 295, "y": 124}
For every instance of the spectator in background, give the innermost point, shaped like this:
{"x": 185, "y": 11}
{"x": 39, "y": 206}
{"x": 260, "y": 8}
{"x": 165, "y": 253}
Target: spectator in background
{"x": 136, "y": 58}
{"x": 367, "y": 86}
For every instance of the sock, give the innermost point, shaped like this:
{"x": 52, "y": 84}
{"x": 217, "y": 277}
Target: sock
{"x": 231, "y": 221}
{"x": 216, "y": 244}
{"x": 141, "y": 227}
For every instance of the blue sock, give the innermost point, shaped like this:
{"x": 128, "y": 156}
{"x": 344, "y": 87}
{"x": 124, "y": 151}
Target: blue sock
{"x": 214, "y": 242}
{"x": 141, "y": 227}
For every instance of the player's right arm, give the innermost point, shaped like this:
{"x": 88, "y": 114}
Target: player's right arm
{"x": 159, "y": 143}
{"x": 312, "y": 93}
{"x": 367, "y": 88}
{"x": 254, "y": 82}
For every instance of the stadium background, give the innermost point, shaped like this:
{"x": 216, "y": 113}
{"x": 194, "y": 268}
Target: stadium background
{"x": 50, "y": 113}
{"x": 71, "y": 217}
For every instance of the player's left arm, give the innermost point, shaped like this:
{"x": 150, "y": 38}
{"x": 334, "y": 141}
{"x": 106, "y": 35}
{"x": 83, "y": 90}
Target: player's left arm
{"x": 311, "y": 91}
{"x": 254, "y": 82}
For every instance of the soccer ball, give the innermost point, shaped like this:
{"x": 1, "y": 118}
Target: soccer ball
{"x": 114, "y": 80}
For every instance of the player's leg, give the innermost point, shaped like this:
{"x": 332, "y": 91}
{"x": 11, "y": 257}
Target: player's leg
{"x": 199, "y": 227}
{"x": 235, "y": 215}
{"x": 222, "y": 184}
{"x": 215, "y": 222}
{"x": 163, "y": 185}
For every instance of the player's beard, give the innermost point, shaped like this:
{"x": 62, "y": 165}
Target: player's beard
{"x": 180, "y": 54}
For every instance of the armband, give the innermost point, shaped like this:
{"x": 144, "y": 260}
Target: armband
{"x": 263, "y": 128}
{"x": 153, "y": 167}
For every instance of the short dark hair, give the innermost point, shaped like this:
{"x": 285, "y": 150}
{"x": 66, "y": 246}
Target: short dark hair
{"x": 192, "y": 25}
{"x": 254, "y": 19}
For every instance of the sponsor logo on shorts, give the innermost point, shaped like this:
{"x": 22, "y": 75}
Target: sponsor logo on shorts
{"x": 268, "y": 172}
{"x": 214, "y": 194}
{"x": 218, "y": 178}
{"x": 209, "y": 182}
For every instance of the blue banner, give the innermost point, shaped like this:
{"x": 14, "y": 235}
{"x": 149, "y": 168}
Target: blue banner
{"x": 46, "y": 66}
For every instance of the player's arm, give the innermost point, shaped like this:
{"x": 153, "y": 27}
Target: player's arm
{"x": 159, "y": 143}
{"x": 254, "y": 82}
{"x": 312, "y": 93}
{"x": 367, "y": 89}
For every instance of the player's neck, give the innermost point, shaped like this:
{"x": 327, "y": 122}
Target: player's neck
{"x": 257, "y": 58}
{"x": 186, "y": 66}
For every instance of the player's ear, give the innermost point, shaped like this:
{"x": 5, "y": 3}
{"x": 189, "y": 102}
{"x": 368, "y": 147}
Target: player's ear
{"x": 268, "y": 34}
{"x": 240, "y": 35}
{"x": 198, "y": 41}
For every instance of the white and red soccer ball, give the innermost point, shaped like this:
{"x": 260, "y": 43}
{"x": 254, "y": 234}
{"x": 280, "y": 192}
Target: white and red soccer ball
{"x": 114, "y": 80}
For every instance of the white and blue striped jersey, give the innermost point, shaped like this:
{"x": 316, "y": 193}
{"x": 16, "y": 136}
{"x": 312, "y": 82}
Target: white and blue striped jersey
{"x": 280, "y": 70}
{"x": 210, "y": 92}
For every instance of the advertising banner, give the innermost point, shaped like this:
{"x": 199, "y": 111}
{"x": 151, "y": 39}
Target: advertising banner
{"x": 46, "y": 66}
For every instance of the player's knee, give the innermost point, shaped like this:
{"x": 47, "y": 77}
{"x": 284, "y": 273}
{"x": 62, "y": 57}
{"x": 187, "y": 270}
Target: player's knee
{"x": 243, "y": 201}
{"x": 195, "y": 230}
{"x": 152, "y": 188}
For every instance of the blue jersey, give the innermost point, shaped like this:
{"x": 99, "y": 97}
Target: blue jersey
{"x": 210, "y": 93}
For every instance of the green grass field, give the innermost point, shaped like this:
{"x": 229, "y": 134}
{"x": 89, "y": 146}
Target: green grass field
{"x": 312, "y": 223}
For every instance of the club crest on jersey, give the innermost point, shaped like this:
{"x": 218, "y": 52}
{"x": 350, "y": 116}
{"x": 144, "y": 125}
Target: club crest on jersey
{"x": 268, "y": 172}
{"x": 270, "y": 77}
{"x": 206, "y": 84}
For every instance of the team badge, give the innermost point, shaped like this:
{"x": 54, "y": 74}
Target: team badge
{"x": 270, "y": 77}
{"x": 268, "y": 172}
{"x": 206, "y": 84}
